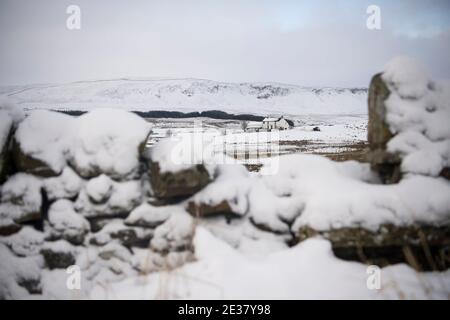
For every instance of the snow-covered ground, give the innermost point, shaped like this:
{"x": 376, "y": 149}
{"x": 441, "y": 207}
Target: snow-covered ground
{"x": 337, "y": 133}
{"x": 190, "y": 95}
{"x": 306, "y": 271}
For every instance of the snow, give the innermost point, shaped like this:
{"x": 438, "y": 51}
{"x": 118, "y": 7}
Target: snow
{"x": 20, "y": 196}
{"x": 103, "y": 265}
{"x": 224, "y": 187}
{"x": 352, "y": 201}
{"x": 126, "y": 195}
{"x": 63, "y": 219}
{"x": 192, "y": 95}
{"x": 300, "y": 272}
{"x": 27, "y": 242}
{"x": 108, "y": 141}
{"x": 60, "y": 246}
{"x": 92, "y": 143}
{"x": 418, "y": 110}
{"x": 179, "y": 153}
{"x": 270, "y": 119}
{"x": 174, "y": 234}
{"x": 10, "y": 115}
{"x": 15, "y": 112}
{"x": 67, "y": 185}
{"x": 244, "y": 258}
{"x": 15, "y": 270}
{"x": 123, "y": 198}
{"x": 100, "y": 188}
{"x": 45, "y": 136}
{"x": 407, "y": 76}
{"x": 150, "y": 216}
{"x": 104, "y": 236}
{"x": 292, "y": 196}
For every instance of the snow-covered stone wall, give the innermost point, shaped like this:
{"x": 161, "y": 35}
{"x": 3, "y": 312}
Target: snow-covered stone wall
{"x": 409, "y": 114}
{"x": 84, "y": 192}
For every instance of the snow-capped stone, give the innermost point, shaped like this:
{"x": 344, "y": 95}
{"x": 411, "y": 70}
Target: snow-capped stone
{"x": 176, "y": 168}
{"x": 58, "y": 254}
{"x": 149, "y": 216}
{"x": 408, "y": 122}
{"x": 65, "y": 186}
{"x": 99, "y": 189}
{"x": 21, "y": 198}
{"x": 41, "y": 142}
{"x": 8, "y": 226}
{"x": 108, "y": 141}
{"x": 18, "y": 276}
{"x": 106, "y": 264}
{"x": 117, "y": 231}
{"x": 26, "y": 242}
{"x": 124, "y": 197}
{"x": 223, "y": 195}
{"x": 175, "y": 234}
{"x": 67, "y": 224}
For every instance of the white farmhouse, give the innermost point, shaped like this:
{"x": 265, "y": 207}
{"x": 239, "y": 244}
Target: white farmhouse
{"x": 275, "y": 123}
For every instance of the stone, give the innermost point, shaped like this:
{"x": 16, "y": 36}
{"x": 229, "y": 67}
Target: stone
{"x": 8, "y": 227}
{"x": 28, "y": 164}
{"x": 424, "y": 247}
{"x": 386, "y": 164}
{"x": 10, "y": 116}
{"x": 5, "y": 156}
{"x": 183, "y": 183}
{"x": 176, "y": 234}
{"x": 67, "y": 224}
{"x": 205, "y": 209}
{"x": 58, "y": 255}
{"x": 21, "y": 198}
{"x": 149, "y": 216}
{"x": 116, "y": 231}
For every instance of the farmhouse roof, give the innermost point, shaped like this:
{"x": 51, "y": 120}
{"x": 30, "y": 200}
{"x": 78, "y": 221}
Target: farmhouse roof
{"x": 272, "y": 119}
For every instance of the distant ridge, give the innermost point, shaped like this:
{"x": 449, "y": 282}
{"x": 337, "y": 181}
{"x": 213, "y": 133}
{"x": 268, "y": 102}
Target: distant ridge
{"x": 190, "y": 95}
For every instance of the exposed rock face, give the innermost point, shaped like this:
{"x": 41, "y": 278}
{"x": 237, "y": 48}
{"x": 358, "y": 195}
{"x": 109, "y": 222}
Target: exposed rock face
{"x": 205, "y": 209}
{"x": 385, "y": 163}
{"x": 28, "y": 164}
{"x": 425, "y": 248}
{"x": 8, "y": 227}
{"x": 5, "y": 155}
{"x": 183, "y": 183}
{"x": 58, "y": 255}
{"x": 10, "y": 116}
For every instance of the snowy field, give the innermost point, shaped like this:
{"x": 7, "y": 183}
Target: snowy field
{"x": 338, "y": 134}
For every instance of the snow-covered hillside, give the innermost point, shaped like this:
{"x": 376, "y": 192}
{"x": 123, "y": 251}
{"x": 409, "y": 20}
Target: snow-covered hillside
{"x": 191, "y": 95}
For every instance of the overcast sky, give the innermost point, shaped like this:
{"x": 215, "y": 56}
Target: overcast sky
{"x": 313, "y": 43}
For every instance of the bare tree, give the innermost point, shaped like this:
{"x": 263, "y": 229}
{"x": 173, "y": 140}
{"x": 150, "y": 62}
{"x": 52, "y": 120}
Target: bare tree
{"x": 244, "y": 125}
